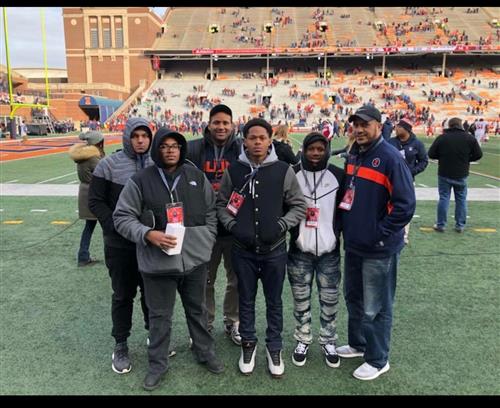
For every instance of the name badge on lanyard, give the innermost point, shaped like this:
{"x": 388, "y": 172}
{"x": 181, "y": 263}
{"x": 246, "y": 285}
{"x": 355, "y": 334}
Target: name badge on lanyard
{"x": 312, "y": 216}
{"x": 235, "y": 202}
{"x": 348, "y": 199}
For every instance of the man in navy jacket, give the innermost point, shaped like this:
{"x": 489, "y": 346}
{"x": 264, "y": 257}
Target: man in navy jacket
{"x": 413, "y": 151}
{"x": 379, "y": 201}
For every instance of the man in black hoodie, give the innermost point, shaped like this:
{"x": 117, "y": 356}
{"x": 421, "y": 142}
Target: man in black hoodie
{"x": 454, "y": 149}
{"x": 213, "y": 154}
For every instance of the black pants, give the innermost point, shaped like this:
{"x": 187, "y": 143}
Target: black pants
{"x": 125, "y": 278}
{"x": 160, "y": 297}
{"x": 270, "y": 269}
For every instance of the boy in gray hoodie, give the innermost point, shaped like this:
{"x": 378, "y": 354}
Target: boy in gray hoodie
{"x": 141, "y": 216}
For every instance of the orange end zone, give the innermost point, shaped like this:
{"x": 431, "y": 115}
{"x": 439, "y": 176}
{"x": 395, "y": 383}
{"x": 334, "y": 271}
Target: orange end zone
{"x": 19, "y": 149}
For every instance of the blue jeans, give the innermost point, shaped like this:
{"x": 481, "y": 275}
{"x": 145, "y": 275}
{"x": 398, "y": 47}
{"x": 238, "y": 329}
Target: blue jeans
{"x": 369, "y": 289}
{"x": 460, "y": 189}
{"x": 301, "y": 268}
{"x": 270, "y": 269}
{"x": 83, "y": 252}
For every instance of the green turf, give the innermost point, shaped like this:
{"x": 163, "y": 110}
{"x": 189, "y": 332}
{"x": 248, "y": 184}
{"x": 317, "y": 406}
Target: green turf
{"x": 55, "y": 318}
{"x": 38, "y": 169}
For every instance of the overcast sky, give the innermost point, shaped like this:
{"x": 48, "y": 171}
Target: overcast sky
{"x": 25, "y": 37}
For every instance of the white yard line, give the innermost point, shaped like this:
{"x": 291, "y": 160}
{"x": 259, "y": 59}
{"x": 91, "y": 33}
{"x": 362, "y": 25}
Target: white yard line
{"x": 12, "y": 181}
{"x": 56, "y": 178}
{"x": 422, "y": 185}
{"x": 38, "y": 210}
{"x": 489, "y": 185}
{"x": 72, "y": 182}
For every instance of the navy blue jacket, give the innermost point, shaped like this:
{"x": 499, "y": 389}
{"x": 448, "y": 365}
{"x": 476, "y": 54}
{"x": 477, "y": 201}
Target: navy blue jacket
{"x": 414, "y": 153}
{"x": 387, "y": 128}
{"x": 384, "y": 201}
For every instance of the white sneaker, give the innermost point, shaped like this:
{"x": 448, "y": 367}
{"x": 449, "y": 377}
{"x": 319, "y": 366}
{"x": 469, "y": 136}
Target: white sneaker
{"x": 247, "y": 357}
{"x": 368, "y": 372}
{"x": 275, "y": 363}
{"x": 349, "y": 352}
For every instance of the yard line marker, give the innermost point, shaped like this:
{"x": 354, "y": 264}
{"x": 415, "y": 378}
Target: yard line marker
{"x": 416, "y": 216}
{"x": 56, "y": 178}
{"x": 72, "y": 182}
{"x": 39, "y": 210}
{"x": 485, "y": 229}
{"x": 11, "y": 181}
{"x": 60, "y": 222}
{"x": 423, "y": 185}
{"x": 489, "y": 185}
{"x": 13, "y": 222}
{"x": 426, "y": 229}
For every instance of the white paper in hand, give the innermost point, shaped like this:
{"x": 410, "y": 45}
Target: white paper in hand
{"x": 177, "y": 230}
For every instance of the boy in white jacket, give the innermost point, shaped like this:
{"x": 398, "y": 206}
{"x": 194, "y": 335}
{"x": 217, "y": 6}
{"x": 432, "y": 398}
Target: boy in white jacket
{"x": 314, "y": 249}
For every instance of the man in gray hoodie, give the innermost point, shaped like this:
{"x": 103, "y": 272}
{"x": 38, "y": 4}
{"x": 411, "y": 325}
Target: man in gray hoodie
{"x": 142, "y": 214}
{"x": 109, "y": 177}
{"x": 259, "y": 200}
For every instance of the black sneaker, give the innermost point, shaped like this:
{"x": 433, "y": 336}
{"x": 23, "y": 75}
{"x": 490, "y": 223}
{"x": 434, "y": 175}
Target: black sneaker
{"x": 437, "y": 228}
{"x": 331, "y": 357}
{"x": 89, "y": 262}
{"x": 299, "y": 355}
{"x": 152, "y": 381}
{"x": 120, "y": 360}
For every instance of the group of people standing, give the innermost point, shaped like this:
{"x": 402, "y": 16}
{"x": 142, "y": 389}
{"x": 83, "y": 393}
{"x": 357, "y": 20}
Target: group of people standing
{"x": 237, "y": 201}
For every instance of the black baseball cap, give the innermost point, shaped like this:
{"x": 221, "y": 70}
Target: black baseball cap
{"x": 220, "y": 108}
{"x": 367, "y": 113}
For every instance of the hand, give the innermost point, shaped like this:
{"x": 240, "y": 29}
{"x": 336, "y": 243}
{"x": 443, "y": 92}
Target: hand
{"x": 161, "y": 240}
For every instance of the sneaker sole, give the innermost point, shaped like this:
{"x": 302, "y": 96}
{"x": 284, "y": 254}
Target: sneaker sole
{"x": 351, "y": 355}
{"x": 124, "y": 371}
{"x": 332, "y": 365}
{"x": 298, "y": 363}
{"x": 376, "y": 375}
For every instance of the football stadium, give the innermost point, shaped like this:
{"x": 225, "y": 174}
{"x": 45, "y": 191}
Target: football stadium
{"x": 301, "y": 70}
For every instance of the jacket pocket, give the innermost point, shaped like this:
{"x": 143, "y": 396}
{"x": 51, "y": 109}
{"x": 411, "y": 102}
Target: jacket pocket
{"x": 197, "y": 246}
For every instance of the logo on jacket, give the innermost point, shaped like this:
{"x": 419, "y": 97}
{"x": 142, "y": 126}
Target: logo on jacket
{"x": 376, "y": 162}
{"x": 193, "y": 183}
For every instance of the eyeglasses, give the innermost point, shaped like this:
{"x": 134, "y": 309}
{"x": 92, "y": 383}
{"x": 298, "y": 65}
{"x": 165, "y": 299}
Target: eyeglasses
{"x": 170, "y": 147}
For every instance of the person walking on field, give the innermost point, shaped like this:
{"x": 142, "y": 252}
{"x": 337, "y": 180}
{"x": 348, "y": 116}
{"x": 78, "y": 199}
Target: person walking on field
{"x": 86, "y": 156}
{"x": 454, "y": 150}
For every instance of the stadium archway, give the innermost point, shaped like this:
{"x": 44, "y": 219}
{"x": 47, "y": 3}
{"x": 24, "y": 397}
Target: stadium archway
{"x": 98, "y": 108}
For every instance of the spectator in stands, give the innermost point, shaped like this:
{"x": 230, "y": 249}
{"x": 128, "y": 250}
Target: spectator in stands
{"x": 141, "y": 217}
{"x": 413, "y": 151}
{"x": 454, "y": 149}
{"x": 378, "y": 203}
{"x": 259, "y": 200}
{"x": 283, "y": 145}
{"x": 314, "y": 249}
{"x": 387, "y": 128}
{"x": 108, "y": 180}
{"x": 86, "y": 156}
{"x": 213, "y": 154}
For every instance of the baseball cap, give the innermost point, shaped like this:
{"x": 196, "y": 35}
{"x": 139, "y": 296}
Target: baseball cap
{"x": 367, "y": 113}
{"x": 405, "y": 124}
{"x": 92, "y": 137}
{"x": 220, "y": 108}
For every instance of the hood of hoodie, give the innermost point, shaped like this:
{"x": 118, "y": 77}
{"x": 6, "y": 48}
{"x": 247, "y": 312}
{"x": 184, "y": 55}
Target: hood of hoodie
{"x": 309, "y": 139}
{"x": 160, "y": 136}
{"x": 81, "y": 152}
{"x": 131, "y": 125}
{"x": 270, "y": 159}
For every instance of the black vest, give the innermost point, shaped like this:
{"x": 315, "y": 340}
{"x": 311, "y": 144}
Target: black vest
{"x": 257, "y": 227}
{"x": 155, "y": 195}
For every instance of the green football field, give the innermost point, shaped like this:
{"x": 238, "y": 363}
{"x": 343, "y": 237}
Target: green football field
{"x": 59, "y": 169}
{"x": 56, "y": 318}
